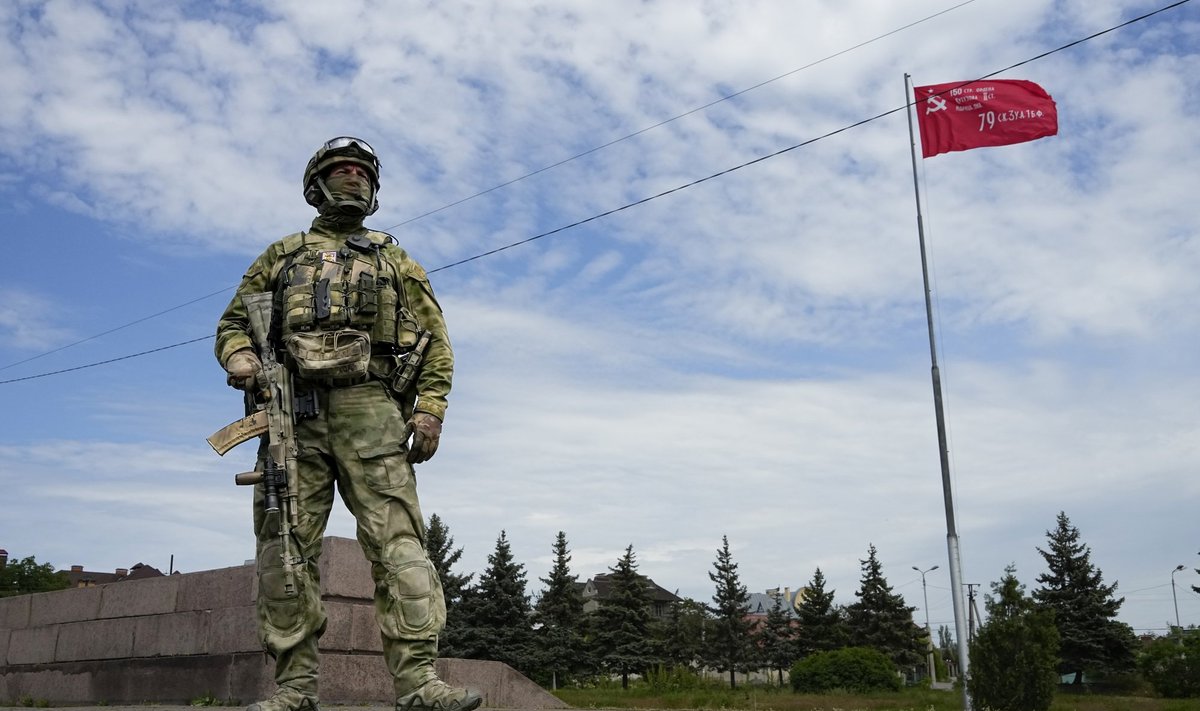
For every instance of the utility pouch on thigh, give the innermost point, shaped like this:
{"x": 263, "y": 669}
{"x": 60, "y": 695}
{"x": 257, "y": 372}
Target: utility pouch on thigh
{"x": 331, "y": 357}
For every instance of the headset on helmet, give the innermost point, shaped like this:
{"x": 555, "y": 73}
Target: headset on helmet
{"x": 343, "y": 149}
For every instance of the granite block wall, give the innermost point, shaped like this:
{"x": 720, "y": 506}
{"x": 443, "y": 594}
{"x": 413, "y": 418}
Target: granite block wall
{"x": 185, "y": 636}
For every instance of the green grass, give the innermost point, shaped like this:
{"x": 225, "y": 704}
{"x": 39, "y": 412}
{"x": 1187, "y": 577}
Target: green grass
{"x": 759, "y": 698}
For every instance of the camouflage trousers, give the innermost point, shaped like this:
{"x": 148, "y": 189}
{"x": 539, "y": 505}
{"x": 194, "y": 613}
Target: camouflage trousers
{"x": 355, "y": 445}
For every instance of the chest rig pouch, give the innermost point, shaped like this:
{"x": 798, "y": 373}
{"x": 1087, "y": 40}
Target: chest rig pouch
{"x": 334, "y": 302}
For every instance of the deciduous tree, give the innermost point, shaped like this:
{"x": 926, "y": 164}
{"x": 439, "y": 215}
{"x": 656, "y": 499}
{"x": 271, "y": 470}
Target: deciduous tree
{"x": 21, "y": 577}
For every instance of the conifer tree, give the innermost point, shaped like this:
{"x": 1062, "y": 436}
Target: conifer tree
{"x": 439, "y": 546}
{"x": 1085, "y": 609}
{"x": 497, "y": 616}
{"x": 1013, "y": 656}
{"x": 822, "y": 625}
{"x": 730, "y": 647}
{"x": 559, "y": 614}
{"x": 880, "y": 619}
{"x": 776, "y": 639}
{"x": 681, "y": 639}
{"x": 622, "y": 625}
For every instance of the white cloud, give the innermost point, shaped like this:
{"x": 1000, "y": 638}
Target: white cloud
{"x": 25, "y": 321}
{"x": 744, "y": 357}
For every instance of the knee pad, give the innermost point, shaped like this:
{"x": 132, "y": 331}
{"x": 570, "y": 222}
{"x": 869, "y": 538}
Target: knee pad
{"x": 283, "y": 621}
{"x": 408, "y": 599}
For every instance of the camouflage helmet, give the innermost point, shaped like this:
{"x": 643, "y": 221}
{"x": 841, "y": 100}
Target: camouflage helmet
{"x": 343, "y": 149}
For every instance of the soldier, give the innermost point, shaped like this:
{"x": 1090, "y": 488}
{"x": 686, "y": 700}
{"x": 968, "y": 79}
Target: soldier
{"x": 350, "y": 306}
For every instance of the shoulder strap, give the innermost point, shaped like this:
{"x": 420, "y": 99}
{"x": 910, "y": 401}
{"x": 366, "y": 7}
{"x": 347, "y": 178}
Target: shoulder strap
{"x": 289, "y": 245}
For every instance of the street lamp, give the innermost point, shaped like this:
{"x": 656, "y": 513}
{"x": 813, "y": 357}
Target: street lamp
{"x": 1173, "y": 598}
{"x": 928, "y": 633}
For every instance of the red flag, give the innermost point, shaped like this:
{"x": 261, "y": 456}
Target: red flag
{"x": 990, "y": 112}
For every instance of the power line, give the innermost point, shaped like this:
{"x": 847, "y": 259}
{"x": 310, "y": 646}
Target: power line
{"x": 664, "y": 193}
{"x": 106, "y": 362}
{"x": 540, "y": 170}
{"x": 111, "y": 330}
{"x": 798, "y": 145}
{"x": 664, "y": 122}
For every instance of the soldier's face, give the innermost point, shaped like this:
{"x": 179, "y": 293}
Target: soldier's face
{"x": 349, "y": 169}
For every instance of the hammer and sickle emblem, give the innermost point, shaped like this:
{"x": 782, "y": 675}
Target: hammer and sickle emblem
{"x": 933, "y": 104}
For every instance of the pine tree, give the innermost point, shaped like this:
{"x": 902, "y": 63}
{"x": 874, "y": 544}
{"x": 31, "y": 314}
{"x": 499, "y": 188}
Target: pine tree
{"x": 559, "y": 614}
{"x": 776, "y": 639}
{"x": 729, "y": 647}
{"x": 439, "y": 546}
{"x": 880, "y": 619}
{"x": 1085, "y": 609}
{"x": 1008, "y": 598}
{"x": 1013, "y": 656}
{"x": 822, "y": 624}
{"x": 680, "y": 642}
{"x": 622, "y": 625}
{"x": 497, "y": 615}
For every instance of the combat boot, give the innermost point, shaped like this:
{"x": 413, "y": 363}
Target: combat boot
{"x": 437, "y": 695}
{"x": 417, "y": 685}
{"x": 286, "y": 699}
{"x": 296, "y": 677}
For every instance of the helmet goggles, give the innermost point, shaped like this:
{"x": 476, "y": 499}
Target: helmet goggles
{"x": 342, "y": 148}
{"x": 347, "y": 142}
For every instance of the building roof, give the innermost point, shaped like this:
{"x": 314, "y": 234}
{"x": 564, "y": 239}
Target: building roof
{"x": 601, "y": 584}
{"x": 84, "y": 578}
{"x": 761, "y": 603}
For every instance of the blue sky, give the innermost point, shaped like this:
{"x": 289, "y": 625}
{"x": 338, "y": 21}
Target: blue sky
{"x": 746, "y": 357}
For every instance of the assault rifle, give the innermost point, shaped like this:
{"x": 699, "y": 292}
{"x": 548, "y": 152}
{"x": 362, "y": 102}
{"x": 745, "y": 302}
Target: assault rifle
{"x": 271, "y": 412}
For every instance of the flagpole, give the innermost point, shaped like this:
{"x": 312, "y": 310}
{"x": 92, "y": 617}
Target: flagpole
{"x": 960, "y": 627}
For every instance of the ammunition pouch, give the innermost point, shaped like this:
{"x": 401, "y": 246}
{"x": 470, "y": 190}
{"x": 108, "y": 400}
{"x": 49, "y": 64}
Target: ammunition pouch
{"x": 330, "y": 357}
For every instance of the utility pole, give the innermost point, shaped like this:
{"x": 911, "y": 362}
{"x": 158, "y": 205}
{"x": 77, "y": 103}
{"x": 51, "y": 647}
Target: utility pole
{"x": 928, "y": 633}
{"x": 972, "y": 611}
{"x": 1175, "y": 599}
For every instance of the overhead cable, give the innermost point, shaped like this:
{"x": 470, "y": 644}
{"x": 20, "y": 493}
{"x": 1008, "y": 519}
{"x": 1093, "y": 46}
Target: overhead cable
{"x": 540, "y": 170}
{"x": 664, "y": 122}
{"x": 664, "y": 193}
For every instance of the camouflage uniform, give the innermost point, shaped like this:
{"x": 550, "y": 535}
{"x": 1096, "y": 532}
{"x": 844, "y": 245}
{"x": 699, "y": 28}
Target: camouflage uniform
{"x": 356, "y": 442}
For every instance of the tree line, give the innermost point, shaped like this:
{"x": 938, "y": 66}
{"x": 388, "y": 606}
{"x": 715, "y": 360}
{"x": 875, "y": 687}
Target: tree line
{"x": 553, "y": 641}
{"x": 1065, "y": 629}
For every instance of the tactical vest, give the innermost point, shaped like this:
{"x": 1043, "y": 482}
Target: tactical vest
{"x": 348, "y": 292}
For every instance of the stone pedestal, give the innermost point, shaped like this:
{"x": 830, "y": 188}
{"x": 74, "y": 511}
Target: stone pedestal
{"x": 182, "y": 637}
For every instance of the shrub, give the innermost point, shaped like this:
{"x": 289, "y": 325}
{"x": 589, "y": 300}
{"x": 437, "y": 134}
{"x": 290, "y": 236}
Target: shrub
{"x": 856, "y": 669}
{"x": 1013, "y": 663}
{"x": 1172, "y": 665}
{"x": 677, "y": 678}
